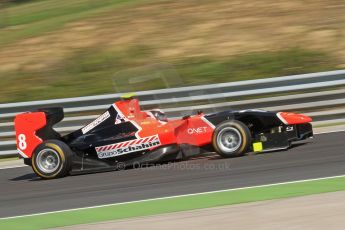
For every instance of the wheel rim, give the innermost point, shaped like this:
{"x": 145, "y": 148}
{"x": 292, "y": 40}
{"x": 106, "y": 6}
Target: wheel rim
{"x": 229, "y": 139}
{"x": 48, "y": 160}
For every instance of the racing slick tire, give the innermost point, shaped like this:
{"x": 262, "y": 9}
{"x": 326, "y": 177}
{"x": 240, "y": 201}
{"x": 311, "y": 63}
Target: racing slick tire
{"x": 231, "y": 139}
{"x": 52, "y": 159}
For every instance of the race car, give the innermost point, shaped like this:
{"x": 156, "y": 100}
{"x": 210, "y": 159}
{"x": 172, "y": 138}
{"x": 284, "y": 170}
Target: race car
{"x": 124, "y": 136}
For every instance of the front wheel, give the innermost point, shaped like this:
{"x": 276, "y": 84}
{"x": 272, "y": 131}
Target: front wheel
{"x": 231, "y": 139}
{"x": 52, "y": 159}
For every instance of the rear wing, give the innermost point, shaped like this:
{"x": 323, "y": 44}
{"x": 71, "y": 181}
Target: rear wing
{"x": 32, "y": 128}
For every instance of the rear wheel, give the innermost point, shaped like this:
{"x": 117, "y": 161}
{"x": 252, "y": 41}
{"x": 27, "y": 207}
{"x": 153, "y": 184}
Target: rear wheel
{"x": 52, "y": 159}
{"x": 231, "y": 139}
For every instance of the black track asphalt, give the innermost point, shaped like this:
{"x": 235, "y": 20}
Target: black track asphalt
{"x": 21, "y": 192}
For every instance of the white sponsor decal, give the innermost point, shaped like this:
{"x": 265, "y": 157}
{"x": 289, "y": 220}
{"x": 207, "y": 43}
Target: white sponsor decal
{"x": 289, "y": 128}
{"x": 96, "y": 122}
{"x": 127, "y": 147}
{"x": 119, "y": 119}
{"x": 253, "y": 110}
{"x": 197, "y": 130}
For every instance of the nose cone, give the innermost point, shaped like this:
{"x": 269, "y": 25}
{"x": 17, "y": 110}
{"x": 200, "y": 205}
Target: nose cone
{"x": 293, "y": 118}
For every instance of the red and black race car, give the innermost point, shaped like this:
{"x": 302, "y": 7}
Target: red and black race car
{"x": 124, "y": 135}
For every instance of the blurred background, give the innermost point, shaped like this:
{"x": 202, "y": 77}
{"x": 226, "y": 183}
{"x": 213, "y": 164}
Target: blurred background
{"x": 56, "y": 49}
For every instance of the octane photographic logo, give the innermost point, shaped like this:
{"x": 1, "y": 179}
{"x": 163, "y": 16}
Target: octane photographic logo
{"x": 128, "y": 147}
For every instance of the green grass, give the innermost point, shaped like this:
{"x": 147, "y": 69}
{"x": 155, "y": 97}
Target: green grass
{"x": 94, "y": 71}
{"x": 330, "y": 125}
{"x": 130, "y": 67}
{"x": 154, "y": 207}
{"x": 20, "y": 21}
{"x": 8, "y": 159}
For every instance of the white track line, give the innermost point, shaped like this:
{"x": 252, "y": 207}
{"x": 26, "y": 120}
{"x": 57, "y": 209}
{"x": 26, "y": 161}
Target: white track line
{"x": 20, "y": 166}
{"x": 335, "y": 131}
{"x": 12, "y": 167}
{"x": 172, "y": 197}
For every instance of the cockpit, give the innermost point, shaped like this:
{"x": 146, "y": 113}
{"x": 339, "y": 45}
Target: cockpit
{"x": 158, "y": 114}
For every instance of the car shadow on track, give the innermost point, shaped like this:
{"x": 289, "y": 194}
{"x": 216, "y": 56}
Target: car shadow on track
{"x": 27, "y": 177}
{"x": 211, "y": 156}
{"x": 299, "y": 144}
